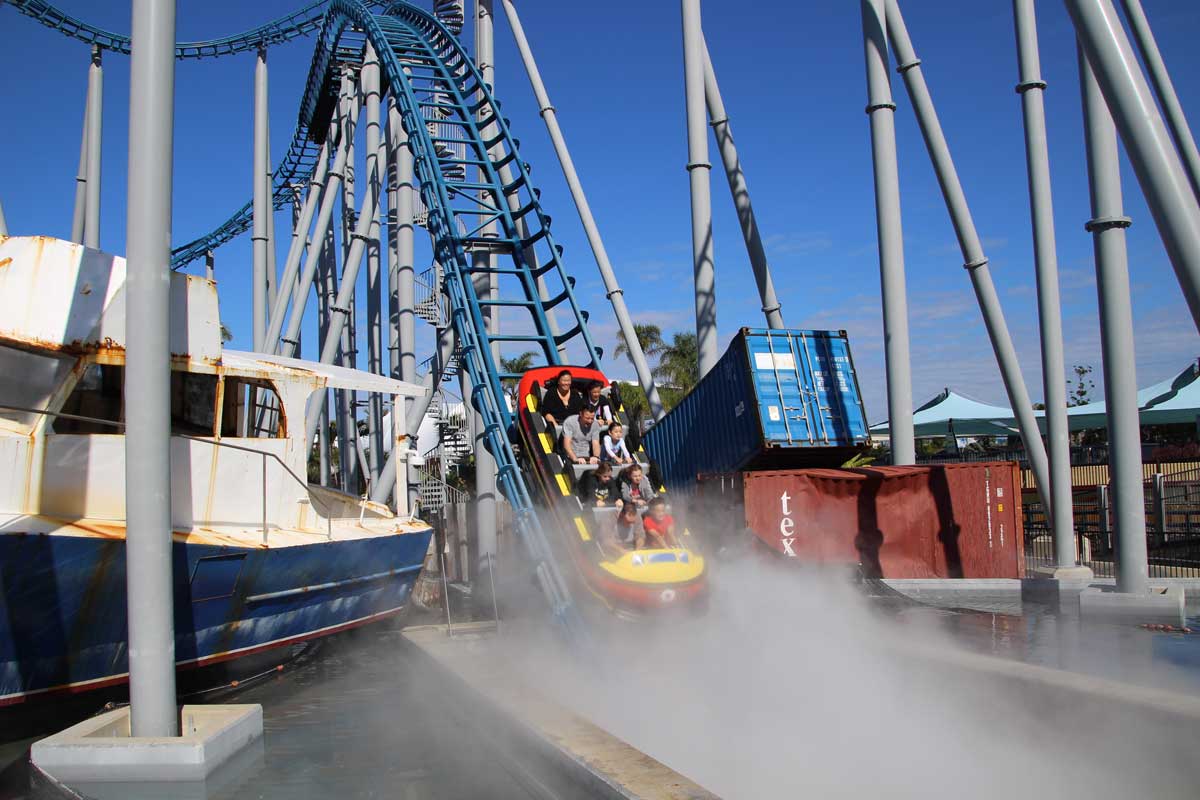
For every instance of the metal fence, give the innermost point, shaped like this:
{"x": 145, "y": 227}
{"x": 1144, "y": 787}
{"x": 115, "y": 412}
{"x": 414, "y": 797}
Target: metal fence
{"x": 1172, "y": 508}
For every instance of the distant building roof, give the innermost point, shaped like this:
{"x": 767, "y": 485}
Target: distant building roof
{"x": 1172, "y": 401}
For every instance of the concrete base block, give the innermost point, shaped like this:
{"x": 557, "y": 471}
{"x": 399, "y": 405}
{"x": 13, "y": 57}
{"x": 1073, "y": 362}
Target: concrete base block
{"x": 1159, "y": 605}
{"x": 101, "y": 750}
{"x": 1073, "y": 576}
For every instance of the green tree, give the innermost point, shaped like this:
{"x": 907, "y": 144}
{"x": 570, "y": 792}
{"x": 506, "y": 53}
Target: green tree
{"x": 1081, "y": 392}
{"x": 648, "y": 336}
{"x": 519, "y": 365}
{"x": 679, "y": 362}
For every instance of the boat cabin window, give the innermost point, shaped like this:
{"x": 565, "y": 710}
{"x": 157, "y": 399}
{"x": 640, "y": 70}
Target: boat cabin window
{"x": 266, "y": 419}
{"x": 100, "y": 394}
{"x": 29, "y": 380}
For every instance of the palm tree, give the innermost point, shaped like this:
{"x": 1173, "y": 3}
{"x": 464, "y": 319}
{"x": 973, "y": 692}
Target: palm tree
{"x": 648, "y": 336}
{"x": 519, "y": 365}
{"x": 679, "y": 362}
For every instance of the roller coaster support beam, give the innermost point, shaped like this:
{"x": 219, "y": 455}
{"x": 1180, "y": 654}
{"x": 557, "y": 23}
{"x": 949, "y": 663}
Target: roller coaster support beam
{"x": 1155, "y": 162}
{"x": 882, "y": 115}
{"x": 613, "y": 289}
{"x": 485, "y": 463}
{"x": 326, "y": 290}
{"x": 1165, "y": 89}
{"x": 328, "y": 200}
{"x": 80, "y": 210}
{"x": 446, "y": 343}
{"x": 95, "y": 124}
{"x": 402, "y": 256}
{"x": 274, "y": 288}
{"x": 341, "y": 308}
{"x": 291, "y": 266}
{"x": 1041, "y": 209}
{"x": 1107, "y": 226}
{"x": 3, "y": 222}
{"x": 378, "y": 167}
{"x": 148, "y": 372}
{"x": 719, "y": 119}
{"x": 262, "y": 206}
{"x": 210, "y": 266}
{"x": 699, "y": 170}
{"x": 972, "y": 250}
{"x": 347, "y": 356}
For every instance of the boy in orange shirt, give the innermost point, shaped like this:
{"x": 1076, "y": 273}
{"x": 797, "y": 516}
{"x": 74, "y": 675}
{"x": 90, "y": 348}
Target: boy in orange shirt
{"x": 659, "y": 525}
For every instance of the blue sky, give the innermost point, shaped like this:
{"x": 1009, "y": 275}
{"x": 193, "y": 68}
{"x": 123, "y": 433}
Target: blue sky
{"x": 792, "y": 77}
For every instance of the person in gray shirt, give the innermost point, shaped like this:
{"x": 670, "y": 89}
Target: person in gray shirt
{"x": 581, "y": 438}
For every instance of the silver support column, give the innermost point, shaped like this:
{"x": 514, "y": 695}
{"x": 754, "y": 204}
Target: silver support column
{"x": 485, "y": 462}
{"x": 95, "y": 124}
{"x": 446, "y": 343}
{"x": 3, "y": 222}
{"x": 376, "y": 169}
{"x": 698, "y": 173}
{"x": 1155, "y": 162}
{"x": 719, "y": 119}
{"x": 1161, "y": 79}
{"x": 403, "y": 232}
{"x": 613, "y": 289}
{"x": 80, "y": 210}
{"x": 341, "y": 309}
{"x": 148, "y": 372}
{"x": 262, "y": 206}
{"x": 882, "y": 115}
{"x": 1107, "y": 227}
{"x": 210, "y": 266}
{"x": 976, "y": 262}
{"x": 328, "y": 201}
{"x": 1045, "y": 255}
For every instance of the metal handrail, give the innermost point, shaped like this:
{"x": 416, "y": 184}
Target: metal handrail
{"x": 213, "y": 441}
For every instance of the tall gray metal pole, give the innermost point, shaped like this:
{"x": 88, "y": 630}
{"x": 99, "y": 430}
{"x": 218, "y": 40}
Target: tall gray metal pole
{"x": 1161, "y": 79}
{"x": 881, "y": 112}
{"x": 328, "y": 202}
{"x": 376, "y": 167}
{"x": 275, "y": 290}
{"x": 324, "y": 298}
{"x": 445, "y": 346}
{"x": 148, "y": 372}
{"x": 262, "y": 206}
{"x": 975, "y": 261}
{"x": 80, "y": 210}
{"x": 403, "y": 252}
{"x": 3, "y": 222}
{"x": 698, "y": 174}
{"x": 290, "y": 282}
{"x": 95, "y": 112}
{"x": 1041, "y": 209}
{"x": 341, "y": 309}
{"x": 612, "y": 288}
{"x": 1155, "y": 162}
{"x": 485, "y": 462}
{"x": 719, "y": 119}
{"x": 1107, "y": 227}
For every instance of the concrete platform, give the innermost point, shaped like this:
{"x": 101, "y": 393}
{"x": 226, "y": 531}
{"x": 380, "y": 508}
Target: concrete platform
{"x": 1159, "y": 605}
{"x": 560, "y": 751}
{"x": 100, "y": 749}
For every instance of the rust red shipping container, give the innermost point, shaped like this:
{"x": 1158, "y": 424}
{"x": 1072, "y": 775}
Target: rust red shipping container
{"x": 943, "y": 521}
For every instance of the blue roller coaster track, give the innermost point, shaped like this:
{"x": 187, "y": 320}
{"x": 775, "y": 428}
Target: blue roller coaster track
{"x": 301, "y": 22}
{"x": 472, "y": 181}
{"x": 461, "y": 145}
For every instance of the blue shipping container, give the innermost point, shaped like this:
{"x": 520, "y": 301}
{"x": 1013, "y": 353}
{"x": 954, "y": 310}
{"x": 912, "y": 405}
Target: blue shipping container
{"x": 777, "y": 399}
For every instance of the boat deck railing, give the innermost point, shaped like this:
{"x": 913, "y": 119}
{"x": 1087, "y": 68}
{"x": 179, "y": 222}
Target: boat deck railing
{"x": 214, "y": 442}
